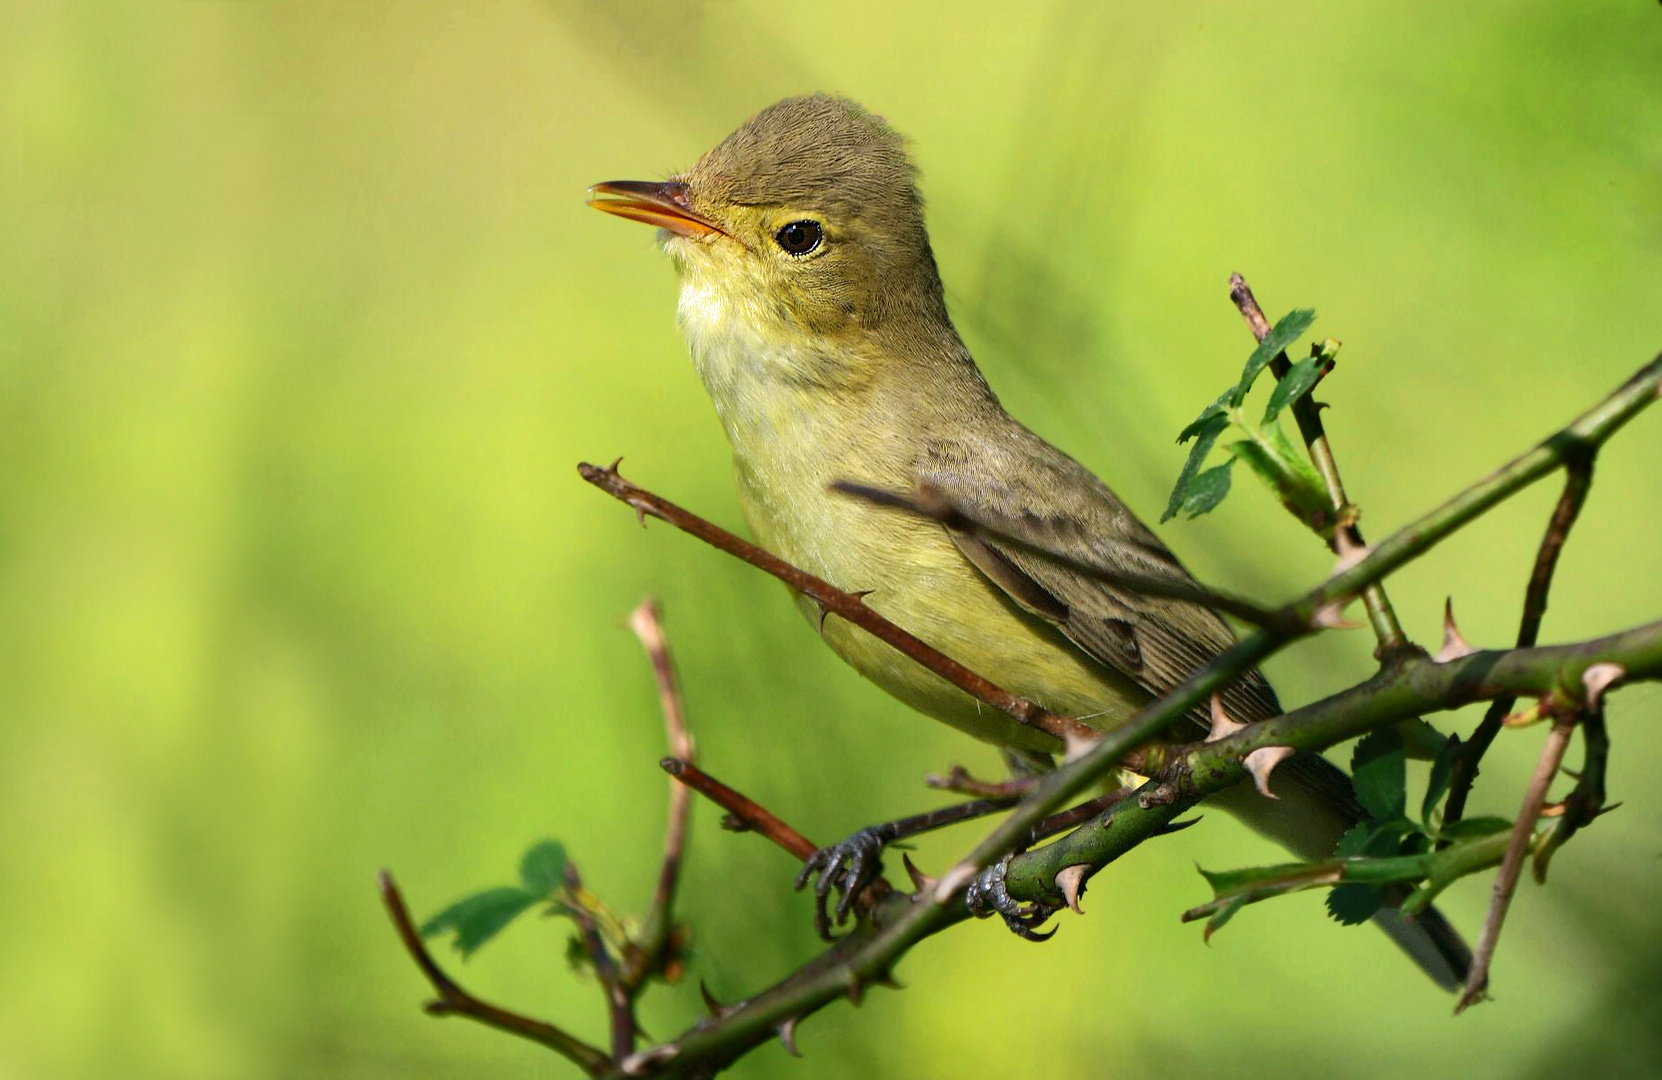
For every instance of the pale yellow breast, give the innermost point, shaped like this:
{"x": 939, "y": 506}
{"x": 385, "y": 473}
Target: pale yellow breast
{"x": 791, "y": 440}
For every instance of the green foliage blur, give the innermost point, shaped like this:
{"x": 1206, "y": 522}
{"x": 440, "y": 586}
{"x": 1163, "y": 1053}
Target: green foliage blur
{"x": 304, "y": 327}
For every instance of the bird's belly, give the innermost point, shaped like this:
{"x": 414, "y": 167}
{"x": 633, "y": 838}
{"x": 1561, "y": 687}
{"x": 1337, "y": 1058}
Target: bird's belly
{"x": 917, "y": 578}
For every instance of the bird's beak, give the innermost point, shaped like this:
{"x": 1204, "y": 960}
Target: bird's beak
{"x": 666, "y": 205}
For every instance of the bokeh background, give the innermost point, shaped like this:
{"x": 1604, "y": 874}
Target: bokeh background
{"x": 304, "y": 325}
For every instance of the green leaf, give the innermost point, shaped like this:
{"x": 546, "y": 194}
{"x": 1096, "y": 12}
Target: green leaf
{"x": 1473, "y": 827}
{"x": 1206, "y": 414}
{"x": 478, "y": 918}
{"x": 1210, "y": 426}
{"x": 1349, "y": 905}
{"x": 1288, "y": 330}
{"x": 543, "y": 869}
{"x": 1207, "y": 490}
{"x": 1287, "y": 473}
{"x": 1379, "y": 767}
{"x": 1354, "y": 843}
{"x": 1293, "y": 385}
{"x": 1436, "y": 785}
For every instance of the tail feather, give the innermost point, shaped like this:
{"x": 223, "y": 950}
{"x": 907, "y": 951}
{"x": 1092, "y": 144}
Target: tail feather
{"x": 1431, "y": 942}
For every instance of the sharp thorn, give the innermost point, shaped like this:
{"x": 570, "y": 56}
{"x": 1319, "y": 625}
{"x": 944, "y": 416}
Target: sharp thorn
{"x": 717, "y": 1009}
{"x": 1071, "y": 881}
{"x": 1222, "y": 725}
{"x": 921, "y": 882}
{"x": 637, "y": 1064}
{"x": 787, "y": 1035}
{"x": 1599, "y": 678}
{"x": 1261, "y": 762}
{"x": 1332, "y": 617}
{"x": 1179, "y": 826}
{"x": 1454, "y": 643}
{"x": 1349, "y": 551}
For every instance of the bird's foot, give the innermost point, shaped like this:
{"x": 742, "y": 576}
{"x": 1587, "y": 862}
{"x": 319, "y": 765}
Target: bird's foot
{"x": 847, "y": 867}
{"x": 989, "y": 893}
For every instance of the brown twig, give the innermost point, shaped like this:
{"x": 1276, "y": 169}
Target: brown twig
{"x": 960, "y": 781}
{"x": 932, "y": 504}
{"x": 620, "y": 1003}
{"x": 1308, "y": 415}
{"x": 1506, "y": 882}
{"x": 647, "y": 623}
{"x": 454, "y": 1001}
{"x": 1085, "y": 811}
{"x": 1585, "y": 803}
{"x": 843, "y": 604}
{"x": 752, "y": 816}
{"x": 1578, "y": 481}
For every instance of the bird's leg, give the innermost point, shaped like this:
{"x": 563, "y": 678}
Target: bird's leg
{"x": 856, "y": 862}
{"x": 988, "y": 892}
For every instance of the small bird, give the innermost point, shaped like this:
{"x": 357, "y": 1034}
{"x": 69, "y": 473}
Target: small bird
{"x": 814, "y": 313}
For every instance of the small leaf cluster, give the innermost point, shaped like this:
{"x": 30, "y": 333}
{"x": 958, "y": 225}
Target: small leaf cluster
{"x": 1377, "y": 859}
{"x": 477, "y": 919}
{"x": 1265, "y": 448}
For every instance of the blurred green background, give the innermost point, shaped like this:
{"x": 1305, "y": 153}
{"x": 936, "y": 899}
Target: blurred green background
{"x": 304, "y": 325}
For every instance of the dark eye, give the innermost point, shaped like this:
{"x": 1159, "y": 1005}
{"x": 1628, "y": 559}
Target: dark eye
{"x": 800, "y": 237}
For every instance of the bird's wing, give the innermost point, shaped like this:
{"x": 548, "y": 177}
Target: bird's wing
{"x": 1030, "y": 490}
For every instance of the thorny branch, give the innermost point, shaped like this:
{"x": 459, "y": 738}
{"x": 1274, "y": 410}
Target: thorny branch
{"x": 1517, "y": 848}
{"x": 620, "y": 1003}
{"x": 898, "y": 921}
{"x": 647, "y": 623}
{"x": 1578, "y": 481}
{"x": 743, "y": 814}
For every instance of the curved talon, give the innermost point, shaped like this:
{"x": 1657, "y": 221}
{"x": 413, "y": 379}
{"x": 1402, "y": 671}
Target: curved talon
{"x": 989, "y": 892}
{"x": 848, "y": 867}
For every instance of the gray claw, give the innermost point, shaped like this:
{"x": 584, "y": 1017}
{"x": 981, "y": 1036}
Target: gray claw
{"x": 989, "y": 893}
{"x": 848, "y": 867}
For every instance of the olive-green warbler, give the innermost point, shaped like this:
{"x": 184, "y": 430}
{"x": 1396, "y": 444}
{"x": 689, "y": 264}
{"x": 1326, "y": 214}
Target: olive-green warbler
{"x": 815, "y": 317}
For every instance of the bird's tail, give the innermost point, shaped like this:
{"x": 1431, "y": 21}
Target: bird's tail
{"x": 1314, "y": 806}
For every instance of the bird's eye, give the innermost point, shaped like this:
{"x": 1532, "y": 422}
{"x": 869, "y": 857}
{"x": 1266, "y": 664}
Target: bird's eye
{"x": 799, "y": 237}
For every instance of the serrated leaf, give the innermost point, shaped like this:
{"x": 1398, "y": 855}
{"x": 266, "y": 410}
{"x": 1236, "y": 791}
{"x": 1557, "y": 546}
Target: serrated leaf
{"x": 1354, "y": 843}
{"x": 1436, "y": 784}
{"x": 1473, "y": 827}
{"x": 1210, "y": 426}
{"x": 1288, "y": 330}
{"x": 543, "y": 869}
{"x": 1214, "y": 409}
{"x": 1207, "y": 490}
{"x": 478, "y": 918}
{"x": 1379, "y": 769}
{"x": 1293, "y": 385}
{"x": 1349, "y": 905}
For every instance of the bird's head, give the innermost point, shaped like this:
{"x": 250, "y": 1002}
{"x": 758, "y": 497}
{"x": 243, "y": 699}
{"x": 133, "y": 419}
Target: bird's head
{"x": 807, "y": 220}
